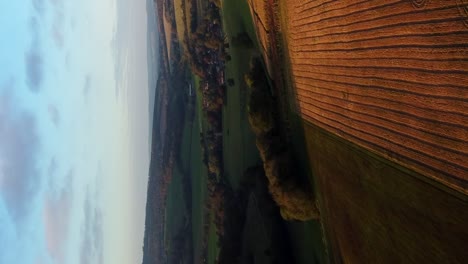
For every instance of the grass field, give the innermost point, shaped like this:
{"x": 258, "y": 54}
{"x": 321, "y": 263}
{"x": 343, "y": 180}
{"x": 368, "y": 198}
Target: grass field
{"x": 175, "y": 209}
{"x": 239, "y": 147}
{"x": 213, "y": 249}
{"x": 199, "y": 178}
{"x": 191, "y": 162}
{"x": 199, "y": 185}
{"x": 373, "y": 211}
{"x": 176, "y": 213}
{"x": 306, "y": 238}
{"x": 239, "y": 142}
{"x": 240, "y": 151}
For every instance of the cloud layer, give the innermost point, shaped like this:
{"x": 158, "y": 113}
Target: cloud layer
{"x": 54, "y": 114}
{"x": 86, "y": 86}
{"x": 33, "y": 60}
{"x": 19, "y": 149}
{"x": 56, "y": 217}
{"x": 34, "y": 69}
{"x": 91, "y": 245}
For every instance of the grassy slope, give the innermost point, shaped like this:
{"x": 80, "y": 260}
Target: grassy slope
{"x": 199, "y": 180}
{"x": 175, "y": 208}
{"x": 306, "y": 237}
{"x": 175, "y": 204}
{"x": 199, "y": 185}
{"x": 213, "y": 249}
{"x": 239, "y": 142}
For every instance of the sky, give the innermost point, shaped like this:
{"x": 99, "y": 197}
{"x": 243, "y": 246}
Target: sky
{"x": 74, "y": 131}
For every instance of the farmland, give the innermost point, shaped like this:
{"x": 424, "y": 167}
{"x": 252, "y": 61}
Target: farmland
{"x": 345, "y": 68}
{"x": 280, "y": 138}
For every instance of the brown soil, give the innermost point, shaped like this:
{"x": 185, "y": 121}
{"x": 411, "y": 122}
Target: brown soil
{"x": 383, "y": 87}
{"x": 390, "y": 76}
{"x": 375, "y": 212}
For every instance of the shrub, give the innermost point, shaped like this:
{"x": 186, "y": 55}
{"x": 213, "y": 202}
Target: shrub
{"x": 269, "y": 145}
{"x": 260, "y": 119}
{"x": 260, "y": 109}
{"x": 295, "y": 202}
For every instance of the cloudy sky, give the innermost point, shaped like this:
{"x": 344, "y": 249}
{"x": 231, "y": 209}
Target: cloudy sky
{"x": 74, "y": 132}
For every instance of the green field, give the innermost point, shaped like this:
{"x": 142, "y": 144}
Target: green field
{"x": 372, "y": 211}
{"x": 199, "y": 191}
{"x": 175, "y": 209}
{"x": 306, "y": 237}
{"x": 190, "y": 163}
{"x": 176, "y": 213}
{"x": 240, "y": 151}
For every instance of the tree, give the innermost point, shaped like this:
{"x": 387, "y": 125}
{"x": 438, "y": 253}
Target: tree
{"x": 295, "y": 201}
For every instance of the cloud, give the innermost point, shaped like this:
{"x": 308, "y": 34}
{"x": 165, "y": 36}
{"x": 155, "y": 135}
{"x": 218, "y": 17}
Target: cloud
{"x": 52, "y": 167}
{"x": 56, "y": 2}
{"x": 92, "y": 242}
{"x": 68, "y": 60}
{"x": 57, "y": 35}
{"x": 19, "y": 151}
{"x": 56, "y": 217}
{"x": 86, "y": 86}
{"x": 34, "y": 26}
{"x": 39, "y": 6}
{"x": 33, "y": 59}
{"x": 34, "y": 69}
{"x": 57, "y": 28}
{"x": 54, "y": 114}
{"x": 72, "y": 23}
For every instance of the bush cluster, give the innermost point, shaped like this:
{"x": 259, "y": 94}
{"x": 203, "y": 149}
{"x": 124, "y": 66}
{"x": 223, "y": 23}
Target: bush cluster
{"x": 295, "y": 201}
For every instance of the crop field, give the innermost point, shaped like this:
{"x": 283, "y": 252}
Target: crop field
{"x": 373, "y": 116}
{"x": 181, "y": 26}
{"x": 395, "y": 84}
{"x": 369, "y": 99}
{"x": 375, "y": 211}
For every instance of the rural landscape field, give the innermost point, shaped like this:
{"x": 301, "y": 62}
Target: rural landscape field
{"x": 291, "y": 131}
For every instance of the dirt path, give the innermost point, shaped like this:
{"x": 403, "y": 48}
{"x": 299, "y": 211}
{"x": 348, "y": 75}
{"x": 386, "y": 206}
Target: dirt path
{"x": 390, "y": 76}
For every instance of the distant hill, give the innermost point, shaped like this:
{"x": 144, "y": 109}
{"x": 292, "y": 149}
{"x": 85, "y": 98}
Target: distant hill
{"x": 167, "y": 119}
{"x": 153, "y": 247}
{"x": 153, "y": 56}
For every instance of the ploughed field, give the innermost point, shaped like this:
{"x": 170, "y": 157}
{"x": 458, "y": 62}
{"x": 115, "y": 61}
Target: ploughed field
{"x": 389, "y": 76}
